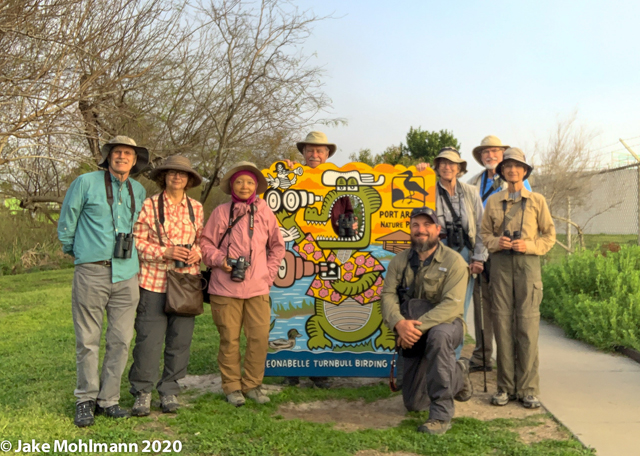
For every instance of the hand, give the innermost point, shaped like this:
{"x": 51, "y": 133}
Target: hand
{"x": 422, "y": 166}
{"x": 225, "y": 266}
{"x": 476, "y": 267}
{"x": 504, "y": 243}
{"x": 355, "y": 224}
{"x": 176, "y": 253}
{"x": 403, "y": 343}
{"x": 289, "y": 235}
{"x": 290, "y": 164}
{"x": 194, "y": 257}
{"x": 519, "y": 246}
{"x": 408, "y": 333}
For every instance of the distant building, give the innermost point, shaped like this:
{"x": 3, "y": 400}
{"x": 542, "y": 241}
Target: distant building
{"x": 395, "y": 242}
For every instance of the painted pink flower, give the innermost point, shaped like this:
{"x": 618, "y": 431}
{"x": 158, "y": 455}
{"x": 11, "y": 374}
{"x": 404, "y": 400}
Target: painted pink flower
{"x": 317, "y": 255}
{"x": 378, "y": 267}
{"x": 348, "y": 276}
{"x": 296, "y": 248}
{"x": 327, "y": 284}
{"x": 332, "y": 257}
{"x": 360, "y": 260}
{"x": 379, "y": 290}
{"x": 309, "y": 293}
{"x": 370, "y": 262}
{"x": 368, "y": 293}
{"x": 335, "y": 297}
{"x": 316, "y": 284}
{"x": 360, "y": 299}
{"x": 375, "y": 298}
{"x": 308, "y": 248}
{"x": 323, "y": 293}
{"x": 360, "y": 270}
{"x": 348, "y": 266}
{"x": 309, "y": 238}
{"x": 379, "y": 281}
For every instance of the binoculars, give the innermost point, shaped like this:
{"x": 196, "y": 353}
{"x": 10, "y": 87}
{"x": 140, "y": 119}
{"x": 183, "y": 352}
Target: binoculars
{"x": 516, "y": 236}
{"x": 182, "y": 264}
{"x": 455, "y": 235}
{"x": 345, "y": 225}
{"x": 124, "y": 246}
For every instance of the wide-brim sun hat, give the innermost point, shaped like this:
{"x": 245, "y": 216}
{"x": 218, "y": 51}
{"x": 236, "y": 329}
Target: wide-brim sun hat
{"x": 142, "y": 154}
{"x": 225, "y": 184}
{"x": 317, "y": 138}
{"x": 486, "y": 143}
{"x": 177, "y": 163}
{"x": 451, "y": 154}
{"x": 513, "y": 153}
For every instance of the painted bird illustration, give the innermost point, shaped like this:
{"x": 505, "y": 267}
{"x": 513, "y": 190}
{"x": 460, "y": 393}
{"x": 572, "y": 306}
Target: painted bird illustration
{"x": 283, "y": 344}
{"x": 413, "y": 187}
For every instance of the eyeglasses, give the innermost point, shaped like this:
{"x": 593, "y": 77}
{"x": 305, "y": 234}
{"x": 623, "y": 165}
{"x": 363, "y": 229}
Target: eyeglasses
{"x": 182, "y": 174}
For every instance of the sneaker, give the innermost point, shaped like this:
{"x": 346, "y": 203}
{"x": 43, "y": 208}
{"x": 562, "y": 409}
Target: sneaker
{"x": 321, "y": 382}
{"x": 435, "y": 427}
{"x": 115, "y": 411}
{"x": 142, "y": 407}
{"x": 530, "y": 402}
{"x": 467, "y": 388}
{"x": 478, "y": 367}
{"x": 236, "y": 398}
{"x": 257, "y": 394}
{"x": 169, "y": 403}
{"x": 84, "y": 413}
{"x": 291, "y": 381}
{"x": 502, "y": 398}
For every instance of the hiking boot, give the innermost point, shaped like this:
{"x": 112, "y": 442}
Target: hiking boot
{"x": 236, "y": 398}
{"x": 84, "y": 413}
{"x": 478, "y": 367}
{"x": 502, "y": 398}
{"x": 530, "y": 402}
{"x": 142, "y": 407}
{"x": 321, "y": 382}
{"x": 291, "y": 381}
{"x": 169, "y": 403}
{"x": 257, "y": 394}
{"x": 115, "y": 411}
{"x": 435, "y": 427}
{"x": 467, "y": 388}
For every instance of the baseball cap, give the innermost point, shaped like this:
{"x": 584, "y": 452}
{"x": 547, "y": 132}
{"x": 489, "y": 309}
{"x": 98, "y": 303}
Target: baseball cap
{"x": 425, "y": 211}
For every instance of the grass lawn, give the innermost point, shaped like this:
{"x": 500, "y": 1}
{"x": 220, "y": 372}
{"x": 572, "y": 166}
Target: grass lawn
{"x": 37, "y": 377}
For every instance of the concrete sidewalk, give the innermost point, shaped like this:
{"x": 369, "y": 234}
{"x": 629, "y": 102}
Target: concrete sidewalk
{"x": 595, "y": 395}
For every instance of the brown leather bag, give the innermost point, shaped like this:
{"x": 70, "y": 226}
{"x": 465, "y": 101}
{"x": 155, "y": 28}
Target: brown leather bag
{"x": 184, "y": 290}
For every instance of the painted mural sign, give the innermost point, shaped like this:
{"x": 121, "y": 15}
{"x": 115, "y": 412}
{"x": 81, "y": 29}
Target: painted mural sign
{"x": 326, "y": 318}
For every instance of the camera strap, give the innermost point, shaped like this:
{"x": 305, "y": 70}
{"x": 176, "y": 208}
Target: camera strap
{"x": 445, "y": 195}
{"x": 109, "y": 189}
{"x": 512, "y": 212}
{"x": 496, "y": 183}
{"x": 160, "y": 220}
{"x": 233, "y": 222}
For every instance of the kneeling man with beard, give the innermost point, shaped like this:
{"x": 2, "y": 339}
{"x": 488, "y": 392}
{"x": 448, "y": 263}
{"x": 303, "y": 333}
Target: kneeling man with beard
{"x": 423, "y": 301}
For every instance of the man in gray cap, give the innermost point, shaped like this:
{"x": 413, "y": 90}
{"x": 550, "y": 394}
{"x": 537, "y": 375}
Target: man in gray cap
{"x": 95, "y": 227}
{"x": 517, "y": 229}
{"x": 423, "y": 301}
{"x": 488, "y": 154}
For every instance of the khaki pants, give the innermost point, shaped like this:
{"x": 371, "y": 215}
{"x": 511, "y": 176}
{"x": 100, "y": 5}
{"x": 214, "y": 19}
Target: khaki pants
{"x": 516, "y": 285}
{"x": 230, "y": 315}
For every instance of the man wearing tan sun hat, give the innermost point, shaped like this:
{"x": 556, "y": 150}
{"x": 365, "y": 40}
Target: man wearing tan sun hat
{"x": 488, "y": 154}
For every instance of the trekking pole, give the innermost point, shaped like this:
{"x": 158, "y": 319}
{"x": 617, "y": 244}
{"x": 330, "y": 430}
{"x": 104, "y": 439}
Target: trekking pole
{"x": 484, "y": 356}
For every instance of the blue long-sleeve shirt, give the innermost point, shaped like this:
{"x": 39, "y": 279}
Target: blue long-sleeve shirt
{"x": 88, "y": 225}
{"x": 486, "y": 183}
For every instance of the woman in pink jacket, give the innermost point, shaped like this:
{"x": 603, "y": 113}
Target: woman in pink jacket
{"x": 242, "y": 244}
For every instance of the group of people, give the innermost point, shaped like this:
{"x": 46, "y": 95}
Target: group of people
{"x": 493, "y": 228}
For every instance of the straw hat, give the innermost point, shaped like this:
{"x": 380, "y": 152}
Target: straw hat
{"x": 177, "y": 163}
{"x": 142, "y": 154}
{"x": 486, "y": 143}
{"x": 513, "y": 153}
{"x": 317, "y": 138}
{"x": 225, "y": 184}
{"x": 451, "y": 154}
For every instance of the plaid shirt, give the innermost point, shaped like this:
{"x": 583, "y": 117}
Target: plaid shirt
{"x": 178, "y": 229}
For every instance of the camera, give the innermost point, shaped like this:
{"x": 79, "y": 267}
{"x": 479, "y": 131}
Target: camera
{"x": 239, "y": 267}
{"x": 124, "y": 246}
{"x": 345, "y": 225}
{"x": 455, "y": 235}
{"x": 516, "y": 236}
{"x": 182, "y": 264}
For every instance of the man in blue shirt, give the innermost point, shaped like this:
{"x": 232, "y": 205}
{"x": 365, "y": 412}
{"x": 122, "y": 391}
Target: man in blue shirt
{"x": 488, "y": 154}
{"x": 95, "y": 227}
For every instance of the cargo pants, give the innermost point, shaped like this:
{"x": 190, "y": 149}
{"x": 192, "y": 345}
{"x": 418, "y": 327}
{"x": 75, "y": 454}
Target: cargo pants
{"x": 516, "y": 286}
{"x": 230, "y": 315}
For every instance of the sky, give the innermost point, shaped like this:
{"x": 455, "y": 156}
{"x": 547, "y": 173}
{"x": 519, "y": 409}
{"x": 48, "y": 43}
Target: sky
{"x": 513, "y": 69}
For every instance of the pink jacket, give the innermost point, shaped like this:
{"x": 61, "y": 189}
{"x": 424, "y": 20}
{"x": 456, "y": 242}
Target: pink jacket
{"x": 267, "y": 243}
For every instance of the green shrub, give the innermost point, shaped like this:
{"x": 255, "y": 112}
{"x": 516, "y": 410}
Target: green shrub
{"x": 595, "y": 297}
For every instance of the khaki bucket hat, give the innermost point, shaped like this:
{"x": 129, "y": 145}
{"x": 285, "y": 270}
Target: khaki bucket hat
{"x": 486, "y": 143}
{"x": 225, "y": 184}
{"x": 513, "y": 153}
{"x": 451, "y": 154}
{"x": 142, "y": 154}
{"x": 177, "y": 163}
{"x": 317, "y": 138}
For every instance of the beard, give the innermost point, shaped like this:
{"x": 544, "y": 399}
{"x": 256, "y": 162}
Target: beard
{"x": 423, "y": 246}
{"x": 491, "y": 167}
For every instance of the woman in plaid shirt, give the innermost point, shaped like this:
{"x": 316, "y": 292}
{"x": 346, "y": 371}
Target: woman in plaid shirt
{"x": 180, "y": 236}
